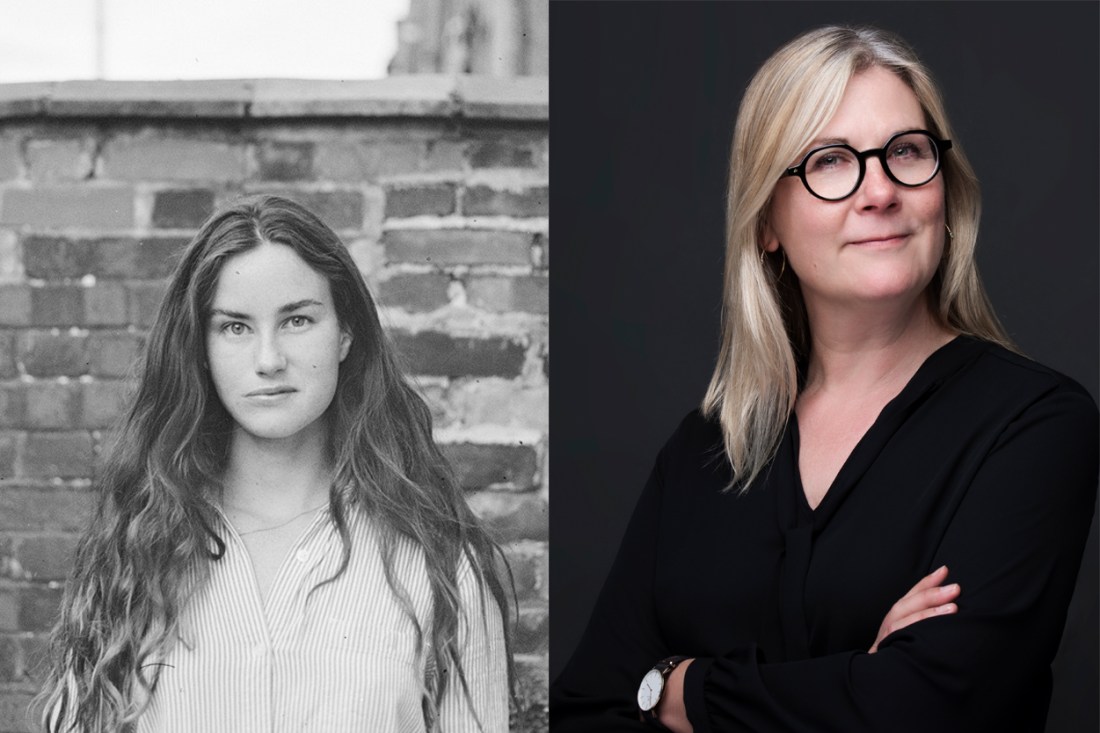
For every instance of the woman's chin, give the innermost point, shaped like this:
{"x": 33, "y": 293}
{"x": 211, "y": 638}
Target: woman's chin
{"x": 890, "y": 285}
{"x": 273, "y": 431}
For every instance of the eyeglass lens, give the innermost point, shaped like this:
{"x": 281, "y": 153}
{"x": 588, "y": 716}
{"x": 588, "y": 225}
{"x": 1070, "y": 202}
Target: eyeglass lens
{"x": 834, "y": 172}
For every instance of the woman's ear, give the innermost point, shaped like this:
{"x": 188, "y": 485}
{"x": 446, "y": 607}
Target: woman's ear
{"x": 345, "y": 344}
{"x": 769, "y": 239}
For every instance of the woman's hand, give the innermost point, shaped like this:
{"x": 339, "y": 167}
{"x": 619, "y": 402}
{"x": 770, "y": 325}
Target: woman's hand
{"x": 926, "y": 598}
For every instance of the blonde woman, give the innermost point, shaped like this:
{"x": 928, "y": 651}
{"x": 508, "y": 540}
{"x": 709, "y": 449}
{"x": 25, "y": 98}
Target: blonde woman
{"x": 875, "y": 521}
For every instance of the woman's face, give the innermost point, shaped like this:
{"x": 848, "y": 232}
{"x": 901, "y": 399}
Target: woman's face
{"x": 274, "y": 343}
{"x": 884, "y": 242}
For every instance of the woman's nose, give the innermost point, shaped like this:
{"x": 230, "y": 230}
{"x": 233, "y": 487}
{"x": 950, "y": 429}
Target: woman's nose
{"x": 877, "y": 190}
{"x": 270, "y": 358}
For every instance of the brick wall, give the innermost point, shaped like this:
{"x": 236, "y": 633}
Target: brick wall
{"x": 439, "y": 186}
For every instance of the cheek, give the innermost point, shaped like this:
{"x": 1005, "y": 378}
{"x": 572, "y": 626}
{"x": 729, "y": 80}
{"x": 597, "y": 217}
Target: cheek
{"x": 930, "y": 201}
{"x": 221, "y": 366}
{"x": 933, "y": 211}
{"x": 803, "y": 227}
{"x": 797, "y": 215}
{"x": 323, "y": 361}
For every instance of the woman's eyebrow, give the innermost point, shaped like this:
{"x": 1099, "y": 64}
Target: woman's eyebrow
{"x": 229, "y": 313}
{"x": 283, "y": 309}
{"x": 305, "y": 303}
{"x": 822, "y": 141}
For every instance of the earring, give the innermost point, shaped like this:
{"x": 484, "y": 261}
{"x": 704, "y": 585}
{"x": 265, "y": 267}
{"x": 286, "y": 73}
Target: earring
{"x": 783, "y": 263}
{"x": 950, "y": 234}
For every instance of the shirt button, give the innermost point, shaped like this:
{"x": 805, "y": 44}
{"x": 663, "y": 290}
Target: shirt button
{"x": 301, "y": 555}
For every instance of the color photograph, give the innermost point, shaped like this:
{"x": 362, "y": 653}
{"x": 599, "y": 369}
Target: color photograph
{"x": 827, "y": 328}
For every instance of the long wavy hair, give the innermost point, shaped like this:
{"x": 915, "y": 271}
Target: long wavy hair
{"x": 155, "y": 533}
{"x": 765, "y": 333}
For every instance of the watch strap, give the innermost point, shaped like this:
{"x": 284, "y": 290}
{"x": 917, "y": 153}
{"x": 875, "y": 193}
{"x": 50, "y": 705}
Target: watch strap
{"x": 664, "y": 667}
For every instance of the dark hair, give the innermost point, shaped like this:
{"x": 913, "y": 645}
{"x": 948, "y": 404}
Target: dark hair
{"x": 154, "y": 531}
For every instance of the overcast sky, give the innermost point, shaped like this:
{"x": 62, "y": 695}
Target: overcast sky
{"x": 49, "y": 40}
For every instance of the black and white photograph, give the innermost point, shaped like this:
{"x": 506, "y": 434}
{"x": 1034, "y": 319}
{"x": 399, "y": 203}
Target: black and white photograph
{"x": 274, "y": 366}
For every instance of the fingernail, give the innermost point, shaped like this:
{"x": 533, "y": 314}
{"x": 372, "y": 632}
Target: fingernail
{"x": 947, "y": 608}
{"x": 951, "y": 588}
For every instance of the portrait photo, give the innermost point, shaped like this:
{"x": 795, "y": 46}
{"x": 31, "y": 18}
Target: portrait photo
{"x": 274, "y": 366}
{"x": 646, "y": 96}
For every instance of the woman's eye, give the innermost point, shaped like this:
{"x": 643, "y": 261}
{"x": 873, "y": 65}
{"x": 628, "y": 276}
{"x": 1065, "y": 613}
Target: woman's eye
{"x": 235, "y": 328}
{"x": 829, "y": 161}
{"x": 298, "y": 321}
{"x": 905, "y": 150}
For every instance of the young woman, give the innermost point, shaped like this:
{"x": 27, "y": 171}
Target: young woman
{"x": 279, "y": 545}
{"x": 875, "y": 520}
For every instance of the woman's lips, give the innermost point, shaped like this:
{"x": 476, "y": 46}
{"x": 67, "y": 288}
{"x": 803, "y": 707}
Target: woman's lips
{"x": 271, "y": 392}
{"x": 886, "y": 240}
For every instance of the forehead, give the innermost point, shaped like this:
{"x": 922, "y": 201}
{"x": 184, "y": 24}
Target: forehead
{"x": 876, "y": 104}
{"x": 268, "y": 276}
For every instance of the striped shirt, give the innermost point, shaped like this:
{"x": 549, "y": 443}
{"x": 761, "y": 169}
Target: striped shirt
{"x": 339, "y": 657}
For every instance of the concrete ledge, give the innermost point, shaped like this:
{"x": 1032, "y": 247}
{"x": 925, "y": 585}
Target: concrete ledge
{"x": 126, "y": 99}
{"x": 422, "y": 95}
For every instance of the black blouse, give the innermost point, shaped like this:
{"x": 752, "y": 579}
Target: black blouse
{"x": 986, "y": 462}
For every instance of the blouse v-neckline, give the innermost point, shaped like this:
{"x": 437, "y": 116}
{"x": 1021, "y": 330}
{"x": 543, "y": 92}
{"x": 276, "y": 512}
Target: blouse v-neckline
{"x": 871, "y": 443}
{"x": 800, "y": 524}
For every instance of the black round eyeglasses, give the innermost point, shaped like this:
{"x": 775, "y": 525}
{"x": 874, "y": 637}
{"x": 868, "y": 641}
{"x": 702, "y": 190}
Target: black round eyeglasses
{"x": 834, "y": 172}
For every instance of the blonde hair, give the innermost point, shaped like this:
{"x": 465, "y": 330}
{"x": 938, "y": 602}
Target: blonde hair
{"x": 765, "y": 333}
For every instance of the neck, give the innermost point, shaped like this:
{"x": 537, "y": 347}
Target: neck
{"x": 858, "y": 350}
{"x": 274, "y": 479}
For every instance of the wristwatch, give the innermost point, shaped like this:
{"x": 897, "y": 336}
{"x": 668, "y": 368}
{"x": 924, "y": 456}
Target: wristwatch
{"x": 653, "y": 685}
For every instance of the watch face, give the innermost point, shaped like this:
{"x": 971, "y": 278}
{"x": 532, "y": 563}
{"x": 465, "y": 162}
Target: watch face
{"x": 649, "y": 692}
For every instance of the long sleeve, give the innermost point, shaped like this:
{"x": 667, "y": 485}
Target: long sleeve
{"x": 1014, "y": 544}
{"x": 484, "y": 662}
{"x": 337, "y": 656}
{"x": 986, "y": 463}
{"x": 596, "y": 691}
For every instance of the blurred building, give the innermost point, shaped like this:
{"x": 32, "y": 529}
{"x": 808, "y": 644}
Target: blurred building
{"x": 491, "y": 37}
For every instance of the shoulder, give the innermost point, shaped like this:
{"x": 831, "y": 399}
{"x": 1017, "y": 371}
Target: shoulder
{"x": 1028, "y": 408}
{"x": 1014, "y": 379}
{"x": 1011, "y": 370}
{"x": 696, "y": 449}
{"x": 696, "y": 433}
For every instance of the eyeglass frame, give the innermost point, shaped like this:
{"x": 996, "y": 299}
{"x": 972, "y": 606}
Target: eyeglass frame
{"x": 942, "y": 146}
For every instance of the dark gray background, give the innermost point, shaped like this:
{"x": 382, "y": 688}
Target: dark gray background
{"x": 644, "y": 97}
